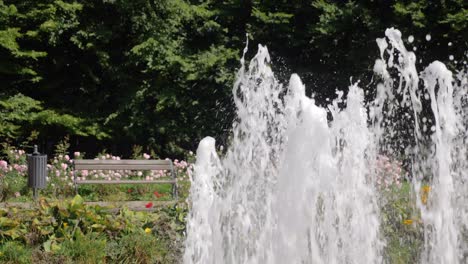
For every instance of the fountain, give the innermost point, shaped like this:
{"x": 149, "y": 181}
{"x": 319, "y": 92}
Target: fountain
{"x": 294, "y": 187}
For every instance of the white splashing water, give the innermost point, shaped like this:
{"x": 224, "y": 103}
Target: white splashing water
{"x": 296, "y": 188}
{"x": 444, "y": 217}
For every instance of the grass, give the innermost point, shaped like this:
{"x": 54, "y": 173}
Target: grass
{"x": 138, "y": 248}
{"x": 15, "y": 252}
{"x": 84, "y": 249}
{"x": 120, "y": 192}
{"x": 126, "y": 192}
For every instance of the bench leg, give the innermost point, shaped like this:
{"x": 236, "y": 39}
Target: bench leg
{"x": 74, "y": 181}
{"x": 174, "y": 185}
{"x": 174, "y": 190}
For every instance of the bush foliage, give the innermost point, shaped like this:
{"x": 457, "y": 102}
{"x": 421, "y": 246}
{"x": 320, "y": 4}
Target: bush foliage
{"x": 159, "y": 73}
{"x": 69, "y": 231}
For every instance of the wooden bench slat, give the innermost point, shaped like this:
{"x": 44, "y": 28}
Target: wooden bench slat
{"x": 125, "y": 164}
{"x": 121, "y": 167}
{"x": 123, "y": 181}
{"x": 125, "y": 161}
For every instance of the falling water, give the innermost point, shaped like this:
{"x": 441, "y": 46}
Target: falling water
{"x": 295, "y": 187}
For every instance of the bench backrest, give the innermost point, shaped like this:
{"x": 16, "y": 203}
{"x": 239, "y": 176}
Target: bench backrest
{"x": 123, "y": 165}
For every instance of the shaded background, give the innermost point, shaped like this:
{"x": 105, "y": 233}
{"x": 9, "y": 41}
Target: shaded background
{"x": 112, "y": 74}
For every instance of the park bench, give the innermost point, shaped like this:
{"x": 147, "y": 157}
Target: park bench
{"x": 79, "y": 165}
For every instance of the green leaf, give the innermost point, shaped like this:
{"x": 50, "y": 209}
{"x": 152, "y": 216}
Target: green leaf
{"x": 47, "y": 246}
{"x": 77, "y": 201}
{"x": 13, "y": 233}
{"x": 55, "y": 247}
{"x": 45, "y": 230}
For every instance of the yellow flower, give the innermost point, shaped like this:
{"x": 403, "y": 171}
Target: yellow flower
{"x": 147, "y": 230}
{"x": 426, "y": 189}
{"x": 65, "y": 224}
{"x": 425, "y": 193}
{"x": 408, "y": 222}
{"x": 424, "y": 199}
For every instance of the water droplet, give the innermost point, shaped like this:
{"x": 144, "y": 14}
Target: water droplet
{"x": 428, "y": 37}
{"x": 433, "y": 128}
{"x": 451, "y": 57}
{"x": 450, "y": 44}
{"x": 414, "y": 48}
{"x": 410, "y": 39}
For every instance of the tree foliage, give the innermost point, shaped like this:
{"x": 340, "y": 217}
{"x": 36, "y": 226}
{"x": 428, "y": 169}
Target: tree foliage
{"x": 159, "y": 73}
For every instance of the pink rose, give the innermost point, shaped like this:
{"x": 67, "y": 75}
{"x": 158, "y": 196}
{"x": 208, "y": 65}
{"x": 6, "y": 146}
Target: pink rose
{"x": 3, "y": 164}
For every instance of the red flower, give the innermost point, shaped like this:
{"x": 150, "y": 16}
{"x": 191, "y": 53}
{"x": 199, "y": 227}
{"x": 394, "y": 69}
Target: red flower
{"x": 149, "y": 205}
{"x": 130, "y": 190}
{"x": 158, "y": 195}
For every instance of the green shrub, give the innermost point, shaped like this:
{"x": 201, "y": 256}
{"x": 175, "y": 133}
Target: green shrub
{"x": 138, "y": 248}
{"x": 14, "y": 252}
{"x": 90, "y": 248}
{"x": 14, "y": 183}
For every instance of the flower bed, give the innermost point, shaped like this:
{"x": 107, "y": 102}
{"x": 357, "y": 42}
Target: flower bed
{"x": 62, "y": 229}
{"x": 71, "y": 232}
{"x": 13, "y": 179}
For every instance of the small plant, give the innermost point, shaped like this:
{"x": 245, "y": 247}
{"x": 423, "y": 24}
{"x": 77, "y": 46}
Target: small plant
{"x": 15, "y": 252}
{"x": 84, "y": 248}
{"x": 138, "y": 248}
{"x": 13, "y": 172}
{"x": 62, "y": 147}
{"x": 14, "y": 184}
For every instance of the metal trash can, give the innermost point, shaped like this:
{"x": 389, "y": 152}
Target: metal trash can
{"x": 37, "y": 170}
